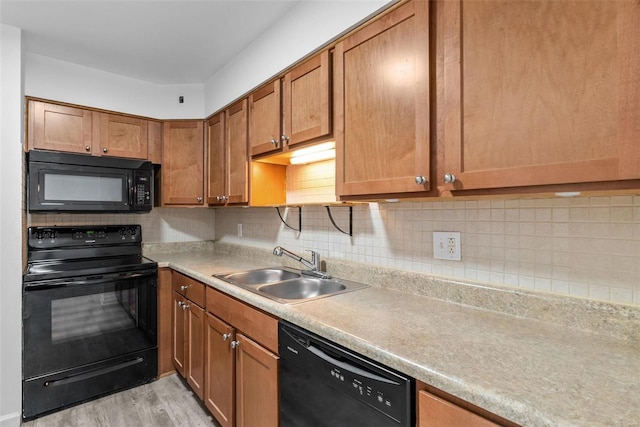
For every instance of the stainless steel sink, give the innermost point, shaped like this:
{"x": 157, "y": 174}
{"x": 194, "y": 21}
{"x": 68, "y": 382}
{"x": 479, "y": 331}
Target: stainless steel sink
{"x": 287, "y": 285}
{"x": 303, "y": 288}
{"x": 260, "y": 276}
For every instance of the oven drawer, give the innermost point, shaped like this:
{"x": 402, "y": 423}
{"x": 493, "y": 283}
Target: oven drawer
{"x": 189, "y": 288}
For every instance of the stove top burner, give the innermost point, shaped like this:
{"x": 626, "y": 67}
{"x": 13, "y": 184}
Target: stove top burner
{"x": 84, "y": 251}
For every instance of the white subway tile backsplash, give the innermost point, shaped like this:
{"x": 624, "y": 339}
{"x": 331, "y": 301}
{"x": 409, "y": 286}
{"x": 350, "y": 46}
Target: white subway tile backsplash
{"x": 585, "y": 247}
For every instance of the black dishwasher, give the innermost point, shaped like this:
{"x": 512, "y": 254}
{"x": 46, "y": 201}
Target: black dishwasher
{"x": 324, "y": 384}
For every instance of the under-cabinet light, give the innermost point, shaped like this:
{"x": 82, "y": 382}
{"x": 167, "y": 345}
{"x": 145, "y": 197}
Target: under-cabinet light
{"x": 314, "y": 153}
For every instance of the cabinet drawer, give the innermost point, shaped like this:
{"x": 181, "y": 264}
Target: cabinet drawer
{"x": 189, "y": 288}
{"x": 260, "y": 326}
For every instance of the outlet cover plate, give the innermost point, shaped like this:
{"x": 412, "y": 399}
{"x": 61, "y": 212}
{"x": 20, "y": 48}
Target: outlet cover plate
{"x": 446, "y": 245}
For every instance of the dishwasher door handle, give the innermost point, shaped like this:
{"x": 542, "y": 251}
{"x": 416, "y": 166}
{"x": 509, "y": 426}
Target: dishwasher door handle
{"x": 348, "y": 366}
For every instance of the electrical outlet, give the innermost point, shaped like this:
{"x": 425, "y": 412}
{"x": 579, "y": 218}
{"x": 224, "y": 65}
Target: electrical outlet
{"x": 446, "y": 245}
{"x": 239, "y": 230}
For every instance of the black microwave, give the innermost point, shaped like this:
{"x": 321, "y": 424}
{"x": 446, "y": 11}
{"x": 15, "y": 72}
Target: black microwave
{"x": 63, "y": 182}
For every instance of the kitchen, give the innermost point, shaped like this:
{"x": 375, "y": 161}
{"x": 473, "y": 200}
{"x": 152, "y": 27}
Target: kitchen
{"x": 594, "y": 240}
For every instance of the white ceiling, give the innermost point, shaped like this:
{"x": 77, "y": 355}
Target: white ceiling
{"x": 164, "y": 42}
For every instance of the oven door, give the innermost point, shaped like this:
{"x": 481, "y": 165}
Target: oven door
{"x": 86, "y": 338}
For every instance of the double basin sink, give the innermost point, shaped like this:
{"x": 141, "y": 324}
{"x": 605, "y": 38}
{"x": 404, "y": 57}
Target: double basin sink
{"x": 288, "y": 285}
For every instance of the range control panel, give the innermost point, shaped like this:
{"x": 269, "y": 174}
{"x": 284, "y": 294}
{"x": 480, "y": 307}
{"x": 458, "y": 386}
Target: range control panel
{"x": 58, "y": 237}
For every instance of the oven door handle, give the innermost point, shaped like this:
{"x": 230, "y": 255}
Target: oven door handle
{"x": 93, "y": 280}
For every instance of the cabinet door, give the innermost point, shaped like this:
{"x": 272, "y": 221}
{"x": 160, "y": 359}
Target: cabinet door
{"x": 120, "y": 136}
{"x": 195, "y": 348}
{"x": 219, "y": 371}
{"x": 265, "y": 119}
{"x": 381, "y": 105}
{"x": 541, "y": 92}
{"x": 256, "y": 385}
{"x": 238, "y": 172}
{"x": 179, "y": 348}
{"x": 307, "y": 105}
{"x": 60, "y": 128}
{"x": 183, "y": 159}
{"x": 435, "y": 412}
{"x": 216, "y": 160}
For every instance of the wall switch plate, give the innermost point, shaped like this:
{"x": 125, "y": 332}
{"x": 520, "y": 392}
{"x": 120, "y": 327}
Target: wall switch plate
{"x": 239, "y": 230}
{"x": 446, "y": 245}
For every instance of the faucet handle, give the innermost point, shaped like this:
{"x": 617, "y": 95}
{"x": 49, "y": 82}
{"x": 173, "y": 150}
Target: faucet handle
{"x": 315, "y": 259}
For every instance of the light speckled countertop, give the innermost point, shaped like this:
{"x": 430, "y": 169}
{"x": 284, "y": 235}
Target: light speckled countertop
{"x": 531, "y": 372}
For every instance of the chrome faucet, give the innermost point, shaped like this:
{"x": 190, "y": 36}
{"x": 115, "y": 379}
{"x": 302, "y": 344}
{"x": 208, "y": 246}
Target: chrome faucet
{"x": 314, "y": 265}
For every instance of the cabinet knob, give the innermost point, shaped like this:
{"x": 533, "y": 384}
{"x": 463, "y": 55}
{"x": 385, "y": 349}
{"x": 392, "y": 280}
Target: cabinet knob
{"x": 219, "y": 198}
{"x": 87, "y": 148}
{"x": 284, "y": 139}
{"x": 274, "y": 142}
{"x": 449, "y": 178}
{"x": 199, "y": 199}
{"x": 185, "y": 306}
{"x": 104, "y": 149}
{"x": 184, "y": 288}
{"x": 180, "y": 303}
{"x": 235, "y": 344}
{"x": 225, "y": 198}
{"x": 226, "y": 337}
{"x": 421, "y": 180}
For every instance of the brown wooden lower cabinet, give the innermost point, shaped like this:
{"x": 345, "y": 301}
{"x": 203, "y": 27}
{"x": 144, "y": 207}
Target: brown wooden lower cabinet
{"x": 188, "y": 332}
{"x": 436, "y": 412}
{"x": 436, "y": 408}
{"x": 220, "y": 370}
{"x": 256, "y": 385}
{"x": 178, "y": 349}
{"x": 194, "y": 369}
{"x": 227, "y": 353}
{"x": 241, "y": 387}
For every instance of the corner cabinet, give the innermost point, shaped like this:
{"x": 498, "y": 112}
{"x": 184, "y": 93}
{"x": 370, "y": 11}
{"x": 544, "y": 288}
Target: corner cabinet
{"x": 183, "y": 163}
{"x": 381, "y": 106}
{"x": 540, "y": 93}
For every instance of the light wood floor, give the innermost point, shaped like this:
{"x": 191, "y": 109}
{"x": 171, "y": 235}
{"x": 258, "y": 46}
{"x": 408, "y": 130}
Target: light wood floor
{"x": 166, "y": 402}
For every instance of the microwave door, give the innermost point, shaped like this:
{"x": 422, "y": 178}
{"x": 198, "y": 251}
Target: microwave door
{"x": 82, "y": 189}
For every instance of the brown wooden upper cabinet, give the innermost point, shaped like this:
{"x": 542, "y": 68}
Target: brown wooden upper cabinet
{"x": 291, "y": 110}
{"x": 80, "y": 130}
{"x": 306, "y": 97}
{"x": 120, "y": 136}
{"x": 228, "y": 160}
{"x": 381, "y": 106}
{"x": 183, "y": 163}
{"x": 265, "y": 123}
{"x": 540, "y": 93}
{"x": 59, "y": 127}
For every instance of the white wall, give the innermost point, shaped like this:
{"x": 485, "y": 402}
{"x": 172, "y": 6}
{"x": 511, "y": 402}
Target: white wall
{"x": 11, "y": 123}
{"x": 304, "y": 29}
{"x": 57, "y": 80}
